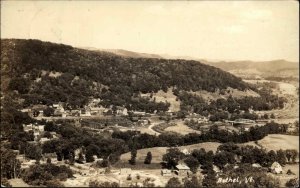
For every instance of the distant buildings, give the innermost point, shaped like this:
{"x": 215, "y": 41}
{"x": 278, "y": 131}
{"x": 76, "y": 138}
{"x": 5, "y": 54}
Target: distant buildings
{"x": 85, "y": 112}
{"x": 37, "y": 129}
{"x": 182, "y": 169}
{"x": 185, "y": 151}
{"x": 122, "y": 111}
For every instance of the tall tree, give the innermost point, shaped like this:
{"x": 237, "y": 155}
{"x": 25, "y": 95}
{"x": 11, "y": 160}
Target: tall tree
{"x": 148, "y": 158}
{"x": 173, "y": 182}
{"x": 192, "y": 163}
{"x": 172, "y": 157}
{"x": 132, "y": 160}
{"x": 10, "y": 166}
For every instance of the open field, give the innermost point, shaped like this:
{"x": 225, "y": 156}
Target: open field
{"x": 181, "y": 128}
{"x": 161, "y": 96}
{"x": 115, "y": 176}
{"x": 278, "y": 141}
{"x": 17, "y": 182}
{"x": 229, "y": 91}
{"x": 270, "y": 142}
{"x": 158, "y": 152}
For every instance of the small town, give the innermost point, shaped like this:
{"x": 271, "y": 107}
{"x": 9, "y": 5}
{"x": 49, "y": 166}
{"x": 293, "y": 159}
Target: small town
{"x": 191, "y": 94}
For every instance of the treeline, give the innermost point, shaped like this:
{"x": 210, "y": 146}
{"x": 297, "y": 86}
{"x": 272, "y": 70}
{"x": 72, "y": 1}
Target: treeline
{"x": 229, "y": 108}
{"x": 111, "y": 147}
{"x": 114, "y": 79}
{"x": 139, "y": 141}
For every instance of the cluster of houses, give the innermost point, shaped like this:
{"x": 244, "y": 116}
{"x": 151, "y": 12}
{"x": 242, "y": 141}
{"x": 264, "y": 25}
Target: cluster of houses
{"x": 38, "y": 132}
{"x": 92, "y": 109}
{"x": 60, "y": 111}
{"x": 197, "y": 118}
{"x": 183, "y": 170}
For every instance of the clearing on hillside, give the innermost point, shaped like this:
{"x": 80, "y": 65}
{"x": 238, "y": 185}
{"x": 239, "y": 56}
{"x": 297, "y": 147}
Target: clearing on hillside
{"x": 181, "y": 128}
{"x": 161, "y": 96}
{"x": 158, "y": 152}
{"x": 279, "y": 141}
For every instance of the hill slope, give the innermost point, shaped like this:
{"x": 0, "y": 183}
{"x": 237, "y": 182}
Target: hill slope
{"x": 275, "y": 68}
{"x": 44, "y": 72}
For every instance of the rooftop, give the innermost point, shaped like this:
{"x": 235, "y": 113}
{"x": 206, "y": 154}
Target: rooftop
{"x": 182, "y": 167}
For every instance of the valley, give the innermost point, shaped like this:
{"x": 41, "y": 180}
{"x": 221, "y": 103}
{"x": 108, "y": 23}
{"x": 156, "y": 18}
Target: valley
{"x": 85, "y": 116}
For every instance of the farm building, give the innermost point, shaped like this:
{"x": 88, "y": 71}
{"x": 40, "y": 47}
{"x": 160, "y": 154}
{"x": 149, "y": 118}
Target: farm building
{"x": 122, "y": 111}
{"x": 28, "y": 127}
{"x": 256, "y": 165}
{"x": 85, "y": 112}
{"x": 183, "y": 170}
{"x": 276, "y": 168}
{"x": 185, "y": 151}
{"x": 43, "y": 140}
{"x": 216, "y": 169}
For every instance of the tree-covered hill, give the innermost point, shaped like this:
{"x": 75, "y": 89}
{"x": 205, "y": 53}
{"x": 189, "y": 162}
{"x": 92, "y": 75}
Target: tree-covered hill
{"x": 44, "y": 72}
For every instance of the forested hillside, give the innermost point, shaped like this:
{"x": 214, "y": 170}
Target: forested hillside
{"x": 44, "y": 72}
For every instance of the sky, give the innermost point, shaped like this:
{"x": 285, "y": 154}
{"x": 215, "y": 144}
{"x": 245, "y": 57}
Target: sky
{"x": 213, "y": 30}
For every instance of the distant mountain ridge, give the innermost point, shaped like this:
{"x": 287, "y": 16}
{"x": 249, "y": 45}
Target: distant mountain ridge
{"x": 126, "y": 53}
{"x": 279, "y": 67}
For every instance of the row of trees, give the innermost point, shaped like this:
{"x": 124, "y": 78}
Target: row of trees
{"x": 229, "y": 108}
{"x": 171, "y": 139}
{"x": 47, "y": 175}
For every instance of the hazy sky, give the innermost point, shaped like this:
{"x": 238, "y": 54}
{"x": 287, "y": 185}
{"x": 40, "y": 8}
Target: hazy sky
{"x": 222, "y": 30}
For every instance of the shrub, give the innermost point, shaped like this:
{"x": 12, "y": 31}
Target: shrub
{"x": 292, "y": 183}
{"x": 289, "y": 172}
{"x": 95, "y": 183}
{"x": 138, "y": 176}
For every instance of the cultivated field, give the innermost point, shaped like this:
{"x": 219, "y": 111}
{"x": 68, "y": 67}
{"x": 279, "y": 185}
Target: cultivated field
{"x": 278, "y": 141}
{"x": 158, "y": 152}
{"x": 181, "y": 128}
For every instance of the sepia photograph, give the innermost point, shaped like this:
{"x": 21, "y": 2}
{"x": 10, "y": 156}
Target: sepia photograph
{"x": 191, "y": 94}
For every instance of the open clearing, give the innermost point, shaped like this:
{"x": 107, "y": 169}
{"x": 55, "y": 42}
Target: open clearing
{"x": 181, "y": 128}
{"x": 158, "y": 152}
{"x": 279, "y": 141}
{"x": 270, "y": 142}
{"x": 121, "y": 179}
{"x": 161, "y": 96}
{"x": 17, "y": 182}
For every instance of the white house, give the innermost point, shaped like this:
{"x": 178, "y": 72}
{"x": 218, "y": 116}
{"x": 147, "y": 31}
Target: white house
{"x": 182, "y": 169}
{"x": 43, "y": 140}
{"x": 28, "y": 127}
{"x": 97, "y": 110}
{"x": 41, "y": 128}
{"x": 276, "y": 168}
{"x": 122, "y": 111}
{"x": 185, "y": 151}
{"x": 85, "y": 112}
